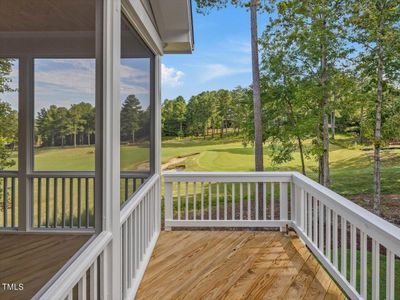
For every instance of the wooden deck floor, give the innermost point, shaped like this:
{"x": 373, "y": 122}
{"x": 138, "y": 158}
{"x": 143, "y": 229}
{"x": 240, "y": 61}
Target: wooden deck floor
{"x": 234, "y": 265}
{"x": 32, "y": 259}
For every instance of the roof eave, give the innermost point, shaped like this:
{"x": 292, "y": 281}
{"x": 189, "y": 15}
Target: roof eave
{"x": 174, "y": 20}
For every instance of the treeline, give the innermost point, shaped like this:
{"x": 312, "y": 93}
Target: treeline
{"x": 60, "y": 126}
{"x": 208, "y": 113}
{"x": 290, "y": 114}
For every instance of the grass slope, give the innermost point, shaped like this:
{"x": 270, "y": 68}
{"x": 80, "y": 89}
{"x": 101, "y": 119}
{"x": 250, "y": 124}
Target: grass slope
{"x": 351, "y": 167}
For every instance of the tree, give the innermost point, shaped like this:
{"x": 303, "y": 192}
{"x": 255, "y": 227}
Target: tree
{"x": 224, "y": 108}
{"x": 315, "y": 37}
{"x": 61, "y": 126}
{"x": 5, "y": 70}
{"x": 259, "y": 156}
{"x": 47, "y": 124}
{"x": 8, "y": 133}
{"x": 214, "y": 120}
{"x": 167, "y": 109}
{"x": 8, "y": 117}
{"x": 199, "y": 114}
{"x": 76, "y": 119}
{"x": 376, "y": 27}
{"x": 179, "y": 113}
{"x": 204, "y": 6}
{"x": 238, "y": 110}
{"x": 61, "y": 122}
{"x": 88, "y": 115}
{"x": 173, "y": 113}
{"x": 131, "y": 114}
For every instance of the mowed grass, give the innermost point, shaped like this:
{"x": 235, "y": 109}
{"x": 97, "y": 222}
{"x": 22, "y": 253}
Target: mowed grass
{"x": 82, "y": 158}
{"x": 351, "y": 167}
{"x": 382, "y": 273}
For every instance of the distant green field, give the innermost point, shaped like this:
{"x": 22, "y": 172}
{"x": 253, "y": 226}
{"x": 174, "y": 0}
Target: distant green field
{"x": 351, "y": 167}
{"x": 82, "y": 158}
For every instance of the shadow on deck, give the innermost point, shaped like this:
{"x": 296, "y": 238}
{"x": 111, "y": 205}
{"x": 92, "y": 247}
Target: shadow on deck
{"x": 234, "y": 265}
{"x": 33, "y": 259}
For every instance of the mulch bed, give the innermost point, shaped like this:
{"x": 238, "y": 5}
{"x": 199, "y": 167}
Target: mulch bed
{"x": 390, "y": 206}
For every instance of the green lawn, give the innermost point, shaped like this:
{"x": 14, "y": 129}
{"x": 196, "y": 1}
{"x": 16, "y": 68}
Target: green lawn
{"x": 76, "y": 159}
{"x": 351, "y": 167}
{"x": 382, "y": 273}
{"x": 82, "y": 158}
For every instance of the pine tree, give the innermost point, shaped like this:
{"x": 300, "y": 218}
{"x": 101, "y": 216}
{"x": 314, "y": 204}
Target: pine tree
{"x": 131, "y": 113}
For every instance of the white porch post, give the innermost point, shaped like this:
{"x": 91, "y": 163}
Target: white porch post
{"x": 25, "y": 145}
{"x": 111, "y": 144}
{"x": 157, "y": 108}
{"x": 157, "y": 134}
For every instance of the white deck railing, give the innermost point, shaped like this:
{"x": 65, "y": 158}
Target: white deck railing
{"x": 227, "y": 199}
{"x": 140, "y": 227}
{"x": 357, "y": 248}
{"x": 8, "y": 200}
{"x": 333, "y": 227}
{"x": 88, "y": 275}
{"x": 85, "y": 276}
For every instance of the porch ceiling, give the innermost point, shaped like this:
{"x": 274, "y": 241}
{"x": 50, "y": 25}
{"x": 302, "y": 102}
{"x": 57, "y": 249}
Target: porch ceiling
{"x": 47, "y": 15}
{"x": 234, "y": 265}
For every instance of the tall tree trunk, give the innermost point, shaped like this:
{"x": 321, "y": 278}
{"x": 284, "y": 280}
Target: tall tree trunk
{"x": 258, "y": 128}
{"x": 378, "y": 121}
{"x": 258, "y": 140}
{"x": 293, "y": 119}
{"x": 133, "y": 136}
{"x": 325, "y": 143}
{"x": 324, "y": 130}
{"x": 361, "y": 137}
{"x": 333, "y": 124}
{"x": 88, "y": 138}
{"x": 303, "y": 164}
{"x": 75, "y": 134}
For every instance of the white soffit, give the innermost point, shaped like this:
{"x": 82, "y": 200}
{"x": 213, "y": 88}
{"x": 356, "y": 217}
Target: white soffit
{"x": 174, "y": 22}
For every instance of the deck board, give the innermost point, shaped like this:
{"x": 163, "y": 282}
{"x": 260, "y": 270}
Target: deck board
{"x": 234, "y": 265}
{"x": 32, "y": 259}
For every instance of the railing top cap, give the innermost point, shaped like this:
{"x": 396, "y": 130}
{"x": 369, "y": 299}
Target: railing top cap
{"x": 374, "y": 225}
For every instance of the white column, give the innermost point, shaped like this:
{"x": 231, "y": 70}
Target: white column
{"x": 25, "y": 145}
{"x": 111, "y": 143}
{"x": 157, "y": 132}
{"x": 157, "y": 108}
